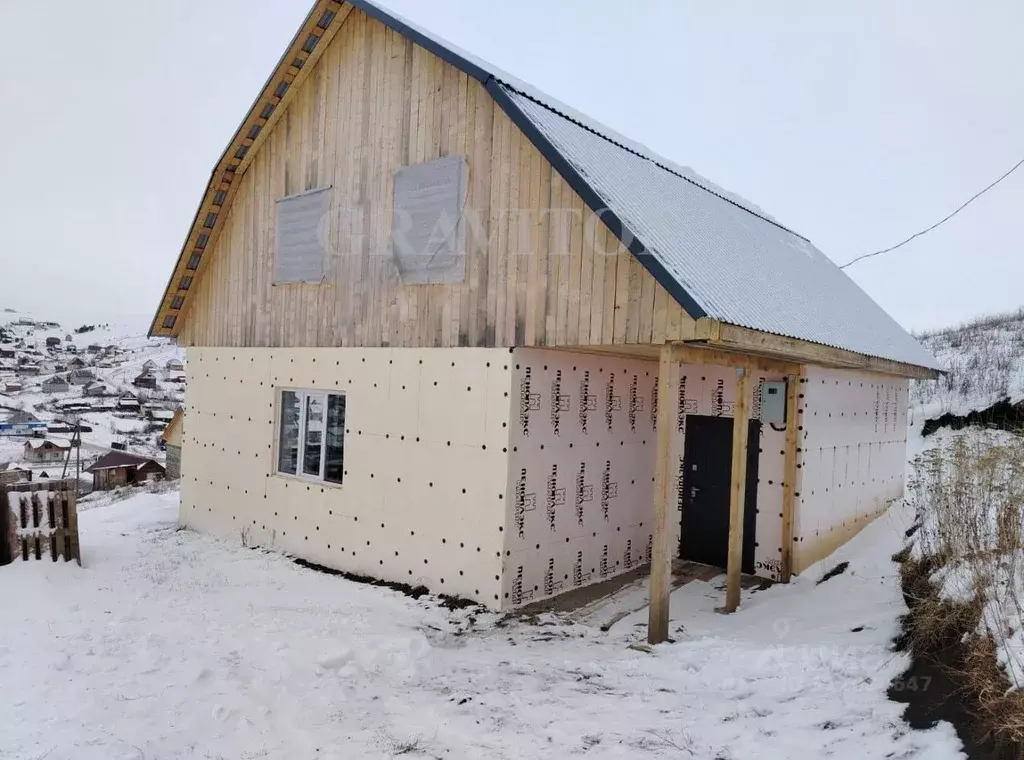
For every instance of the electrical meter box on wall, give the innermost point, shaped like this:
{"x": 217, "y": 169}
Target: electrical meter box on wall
{"x": 773, "y": 401}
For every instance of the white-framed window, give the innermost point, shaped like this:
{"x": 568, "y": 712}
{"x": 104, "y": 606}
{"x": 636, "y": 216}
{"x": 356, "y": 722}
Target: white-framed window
{"x": 311, "y": 435}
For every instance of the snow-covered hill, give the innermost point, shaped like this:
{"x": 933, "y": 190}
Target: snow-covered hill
{"x": 984, "y": 363}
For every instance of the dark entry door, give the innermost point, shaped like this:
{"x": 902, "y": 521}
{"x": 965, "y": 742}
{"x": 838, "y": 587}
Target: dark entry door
{"x": 707, "y": 471}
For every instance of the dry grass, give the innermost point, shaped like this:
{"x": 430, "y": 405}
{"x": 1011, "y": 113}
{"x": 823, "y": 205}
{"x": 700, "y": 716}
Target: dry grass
{"x": 964, "y": 579}
{"x": 999, "y": 710}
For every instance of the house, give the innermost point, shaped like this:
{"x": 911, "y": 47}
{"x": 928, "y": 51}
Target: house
{"x": 76, "y": 363}
{"x": 95, "y": 388}
{"x": 68, "y": 338}
{"x": 58, "y": 367}
{"x": 74, "y": 408}
{"x": 119, "y": 468}
{"x": 45, "y": 451}
{"x": 149, "y": 365}
{"x": 52, "y": 342}
{"x": 145, "y": 380}
{"x": 10, "y": 474}
{"x": 174, "y": 365}
{"x": 93, "y": 348}
{"x": 578, "y": 359}
{"x": 55, "y": 384}
{"x": 128, "y": 401}
{"x": 13, "y": 386}
{"x": 6, "y": 353}
{"x": 159, "y": 415}
{"x": 171, "y": 438}
{"x": 81, "y": 376}
{"x": 28, "y": 370}
{"x": 21, "y": 417}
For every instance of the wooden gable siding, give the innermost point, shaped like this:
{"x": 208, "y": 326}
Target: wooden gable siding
{"x": 373, "y": 103}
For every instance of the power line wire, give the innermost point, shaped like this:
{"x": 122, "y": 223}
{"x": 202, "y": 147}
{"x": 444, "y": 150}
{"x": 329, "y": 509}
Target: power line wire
{"x": 942, "y": 221}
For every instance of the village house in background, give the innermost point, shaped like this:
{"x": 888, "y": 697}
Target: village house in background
{"x": 159, "y": 416}
{"x": 95, "y": 388}
{"x": 81, "y": 376}
{"x": 45, "y": 451}
{"x": 145, "y": 380}
{"x": 172, "y": 442}
{"x": 10, "y": 474}
{"x": 119, "y": 468}
{"x": 55, "y": 384}
{"x": 128, "y": 402}
{"x": 610, "y": 362}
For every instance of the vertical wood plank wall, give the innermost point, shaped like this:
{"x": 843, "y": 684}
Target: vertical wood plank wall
{"x": 375, "y": 102}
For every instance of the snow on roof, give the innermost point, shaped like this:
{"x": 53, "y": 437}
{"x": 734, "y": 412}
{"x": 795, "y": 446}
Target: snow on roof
{"x": 48, "y": 443}
{"x": 116, "y": 459}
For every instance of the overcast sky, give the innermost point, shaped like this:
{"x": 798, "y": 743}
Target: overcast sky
{"x": 855, "y": 123}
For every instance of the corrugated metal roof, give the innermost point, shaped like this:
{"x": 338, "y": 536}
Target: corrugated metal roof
{"x": 731, "y": 258}
{"x": 739, "y": 266}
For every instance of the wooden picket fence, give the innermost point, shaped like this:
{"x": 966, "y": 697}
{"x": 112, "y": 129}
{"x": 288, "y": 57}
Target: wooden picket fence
{"x": 39, "y": 520}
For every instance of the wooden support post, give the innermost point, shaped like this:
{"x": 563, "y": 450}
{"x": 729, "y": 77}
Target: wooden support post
{"x": 789, "y": 476}
{"x": 738, "y": 490}
{"x": 661, "y": 542}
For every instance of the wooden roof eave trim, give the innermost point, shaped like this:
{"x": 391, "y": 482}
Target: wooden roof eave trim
{"x": 719, "y": 334}
{"x": 221, "y": 179}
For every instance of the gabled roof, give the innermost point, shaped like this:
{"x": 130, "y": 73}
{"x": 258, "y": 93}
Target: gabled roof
{"x": 718, "y": 255}
{"x": 115, "y": 459}
{"x": 46, "y": 444}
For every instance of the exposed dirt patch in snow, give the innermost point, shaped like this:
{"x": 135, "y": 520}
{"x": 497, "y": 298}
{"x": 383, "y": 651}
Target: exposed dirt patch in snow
{"x": 837, "y": 570}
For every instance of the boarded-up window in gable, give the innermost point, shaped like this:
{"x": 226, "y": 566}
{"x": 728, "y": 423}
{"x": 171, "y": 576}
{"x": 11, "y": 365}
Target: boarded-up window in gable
{"x": 426, "y": 227}
{"x": 300, "y": 255}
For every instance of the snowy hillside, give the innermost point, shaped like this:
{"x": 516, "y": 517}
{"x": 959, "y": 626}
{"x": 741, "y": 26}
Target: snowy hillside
{"x": 55, "y": 377}
{"x": 984, "y": 363}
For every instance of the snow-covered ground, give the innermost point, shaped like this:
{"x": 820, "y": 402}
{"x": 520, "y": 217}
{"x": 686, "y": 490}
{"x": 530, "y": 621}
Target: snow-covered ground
{"x": 167, "y": 644}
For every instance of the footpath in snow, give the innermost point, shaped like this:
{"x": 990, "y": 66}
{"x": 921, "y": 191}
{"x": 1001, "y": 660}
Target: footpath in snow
{"x": 170, "y": 644}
